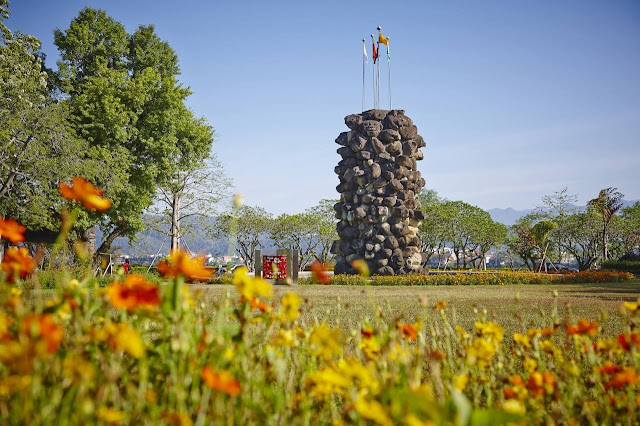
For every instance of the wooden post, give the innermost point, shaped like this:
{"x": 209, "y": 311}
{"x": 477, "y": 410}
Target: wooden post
{"x": 257, "y": 263}
{"x": 295, "y": 266}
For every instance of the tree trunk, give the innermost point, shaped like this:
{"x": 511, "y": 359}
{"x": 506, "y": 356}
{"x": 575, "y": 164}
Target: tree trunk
{"x": 89, "y": 236}
{"x": 175, "y": 223}
{"x": 106, "y": 243}
{"x": 605, "y": 243}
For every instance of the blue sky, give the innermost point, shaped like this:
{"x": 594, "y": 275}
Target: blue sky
{"x": 515, "y": 99}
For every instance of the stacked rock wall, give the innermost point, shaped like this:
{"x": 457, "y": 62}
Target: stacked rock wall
{"x": 378, "y": 210}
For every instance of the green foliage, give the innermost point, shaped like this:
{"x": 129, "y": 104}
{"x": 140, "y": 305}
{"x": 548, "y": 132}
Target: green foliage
{"x": 469, "y": 230}
{"x": 632, "y": 266}
{"x": 246, "y": 228}
{"x": 126, "y": 102}
{"x": 37, "y": 147}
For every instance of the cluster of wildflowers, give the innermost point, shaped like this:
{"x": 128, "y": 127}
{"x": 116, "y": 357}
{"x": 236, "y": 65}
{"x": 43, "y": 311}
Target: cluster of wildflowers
{"x": 141, "y": 352}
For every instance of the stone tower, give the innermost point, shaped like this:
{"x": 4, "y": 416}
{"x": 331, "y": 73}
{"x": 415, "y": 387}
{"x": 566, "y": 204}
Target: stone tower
{"x": 378, "y": 210}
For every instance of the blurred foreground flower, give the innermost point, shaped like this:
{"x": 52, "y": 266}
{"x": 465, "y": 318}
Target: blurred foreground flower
{"x": 220, "y": 380}
{"x": 121, "y": 337}
{"x": 180, "y": 263}
{"x": 583, "y": 327}
{"x": 17, "y": 263}
{"x": 83, "y": 191}
{"x": 250, "y": 287}
{"x": 11, "y": 230}
{"x": 319, "y": 273}
{"x": 46, "y": 332}
{"x": 290, "y": 304}
{"x": 135, "y": 292}
{"x": 361, "y": 266}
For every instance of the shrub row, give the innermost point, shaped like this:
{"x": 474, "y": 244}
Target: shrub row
{"x": 632, "y": 266}
{"x": 500, "y": 278}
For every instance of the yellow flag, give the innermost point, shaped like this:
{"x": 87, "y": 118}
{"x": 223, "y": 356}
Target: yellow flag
{"x": 382, "y": 39}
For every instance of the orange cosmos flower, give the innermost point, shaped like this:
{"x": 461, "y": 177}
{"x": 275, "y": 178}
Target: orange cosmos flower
{"x": 83, "y": 191}
{"x": 220, "y": 380}
{"x": 17, "y": 263}
{"x": 625, "y": 377}
{"x": 408, "y": 330}
{"x": 11, "y": 230}
{"x": 440, "y": 305}
{"x": 260, "y": 305}
{"x": 627, "y": 341}
{"x": 583, "y": 327}
{"x": 46, "y": 329}
{"x": 135, "y": 292}
{"x": 319, "y": 272}
{"x": 182, "y": 264}
{"x": 540, "y": 384}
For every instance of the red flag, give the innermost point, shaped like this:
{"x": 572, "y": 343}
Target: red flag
{"x": 375, "y": 53}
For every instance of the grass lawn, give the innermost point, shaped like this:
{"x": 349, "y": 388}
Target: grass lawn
{"x": 347, "y": 305}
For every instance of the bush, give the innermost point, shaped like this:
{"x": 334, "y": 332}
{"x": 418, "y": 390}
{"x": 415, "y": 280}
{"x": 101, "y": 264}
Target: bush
{"x": 593, "y": 276}
{"x": 632, "y": 266}
{"x": 499, "y": 278}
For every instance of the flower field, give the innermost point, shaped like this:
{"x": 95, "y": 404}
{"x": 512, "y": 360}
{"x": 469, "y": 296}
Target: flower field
{"x": 137, "y": 352}
{"x": 143, "y": 352}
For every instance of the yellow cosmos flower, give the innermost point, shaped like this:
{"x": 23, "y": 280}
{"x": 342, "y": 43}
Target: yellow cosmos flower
{"x": 250, "y": 287}
{"x": 460, "y": 381}
{"x": 373, "y": 410}
{"x": 481, "y": 352}
{"x": 522, "y": 340}
{"x": 284, "y": 338}
{"x": 290, "y": 303}
{"x": 370, "y": 347}
{"x": 122, "y": 337}
{"x": 325, "y": 342}
{"x": 514, "y": 406}
{"x": 110, "y": 415}
{"x": 413, "y": 420}
{"x": 490, "y": 331}
{"x": 326, "y": 381}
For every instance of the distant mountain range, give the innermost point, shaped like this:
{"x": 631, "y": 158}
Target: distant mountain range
{"x": 509, "y": 216}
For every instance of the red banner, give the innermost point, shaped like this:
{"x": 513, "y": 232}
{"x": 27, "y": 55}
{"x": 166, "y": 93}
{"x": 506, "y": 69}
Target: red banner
{"x": 268, "y": 264}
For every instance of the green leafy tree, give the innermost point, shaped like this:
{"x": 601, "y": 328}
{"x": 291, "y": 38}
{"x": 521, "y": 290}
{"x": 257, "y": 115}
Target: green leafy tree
{"x": 326, "y": 228}
{"x": 246, "y": 228}
{"x": 435, "y": 224}
{"x": 300, "y": 232}
{"x": 487, "y": 234}
{"x": 608, "y": 203}
{"x": 540, "y": 233}
{"x": 631, "y": 227}
{"x": 579, "y": 234}
{"x": 37, "y": 144}
{"x": 126, "y": 102}
{"x": 522, "y": 242}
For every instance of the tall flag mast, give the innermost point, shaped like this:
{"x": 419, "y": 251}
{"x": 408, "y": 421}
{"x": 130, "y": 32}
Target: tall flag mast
{"x": 374, "y": 56}
{"x": 365, "y": 59}
{"x": 385, "y": 40}
{"x": 378, "y": 70}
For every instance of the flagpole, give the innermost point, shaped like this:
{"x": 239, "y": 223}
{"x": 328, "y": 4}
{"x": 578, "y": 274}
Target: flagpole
{"x": 378, "y": 78}
{"x": 373, "y": 73}
{"x": 364, "y": 58}
{"x": 389, "y": 68}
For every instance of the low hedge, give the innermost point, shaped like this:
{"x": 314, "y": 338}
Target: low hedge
{"x": 632, "y": 266}
{"x": 500, "y": 278}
